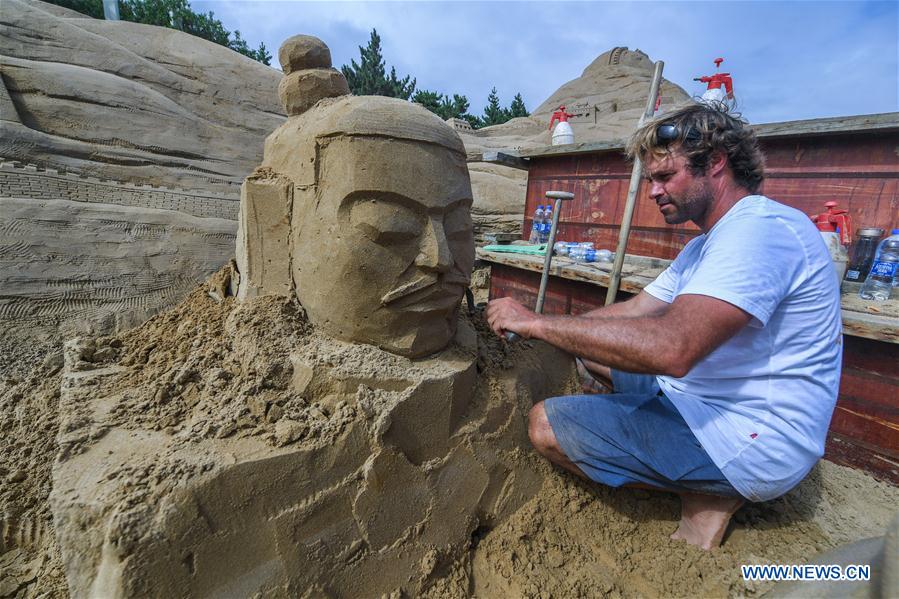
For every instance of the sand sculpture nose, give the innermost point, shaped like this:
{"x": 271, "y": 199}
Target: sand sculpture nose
{"x": 434, "y": 252}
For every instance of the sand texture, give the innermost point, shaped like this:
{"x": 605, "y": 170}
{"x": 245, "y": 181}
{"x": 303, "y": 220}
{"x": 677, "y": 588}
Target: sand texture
{"x": 229, "y": 448}
{"x": 196, "y": 426}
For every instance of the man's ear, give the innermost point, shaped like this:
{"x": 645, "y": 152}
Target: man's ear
{"x": 717, "y": 163}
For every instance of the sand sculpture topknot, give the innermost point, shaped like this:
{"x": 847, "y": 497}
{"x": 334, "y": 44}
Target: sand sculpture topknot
{"x": 308, "y": 74}
{"x": 362, "y": 209}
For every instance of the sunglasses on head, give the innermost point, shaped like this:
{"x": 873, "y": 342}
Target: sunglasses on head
{"x": 669, "y": 133}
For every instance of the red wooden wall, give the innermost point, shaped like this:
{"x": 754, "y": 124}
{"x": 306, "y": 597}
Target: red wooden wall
{"x": 860, "y": 171}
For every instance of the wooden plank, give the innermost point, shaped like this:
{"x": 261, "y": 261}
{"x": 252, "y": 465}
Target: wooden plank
{"x": 864, "y": 425}
{"x": 869, "y": 123}
{"x": 855, "y": 453}
{"x": 505, "y": 158}
{"x": 886, "y": 121}
{"x": 881, "y": 328}
{"x": 639, "y": 271}
{"x": 865, "y": 355}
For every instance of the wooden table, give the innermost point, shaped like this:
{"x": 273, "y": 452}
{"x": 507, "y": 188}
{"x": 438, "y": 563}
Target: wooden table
{"x": 861, "y": 318}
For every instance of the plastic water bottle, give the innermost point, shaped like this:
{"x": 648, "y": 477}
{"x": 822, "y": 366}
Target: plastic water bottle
{"x": 537, "y": 227}
{"x": 562, "y": 248}
{"x": 547, "y": 224}
{"x": 587, "y": 254}
{"x": 885, "y": 270}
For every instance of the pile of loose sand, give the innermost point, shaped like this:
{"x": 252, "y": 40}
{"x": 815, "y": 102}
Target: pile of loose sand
{"x": 29, "y": 396}
{"x": 185, "y": 375}
{"x": 576, "y": 539}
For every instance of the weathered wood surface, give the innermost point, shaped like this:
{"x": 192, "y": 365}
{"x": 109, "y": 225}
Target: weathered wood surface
{"x": 504, "y": 158}
{"x": 871, "y": 320}
{"x": 882, "y": 122}
{"x": 859, "y": 172}
{"x": 864, "y": 430}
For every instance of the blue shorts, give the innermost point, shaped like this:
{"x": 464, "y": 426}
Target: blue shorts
{"x": 634, "y": 435}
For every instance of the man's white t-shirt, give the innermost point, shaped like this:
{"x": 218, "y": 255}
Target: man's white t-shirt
{"x": 760, "y": 404}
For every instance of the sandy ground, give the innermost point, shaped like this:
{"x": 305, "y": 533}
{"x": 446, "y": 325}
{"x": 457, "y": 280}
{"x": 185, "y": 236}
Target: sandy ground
{"x": 572, "y": 539}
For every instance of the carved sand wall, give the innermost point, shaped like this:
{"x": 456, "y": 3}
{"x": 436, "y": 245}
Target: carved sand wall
{"x": 86, "y": 254}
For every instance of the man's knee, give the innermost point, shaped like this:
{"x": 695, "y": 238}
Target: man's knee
{"x": 539, "y": 430}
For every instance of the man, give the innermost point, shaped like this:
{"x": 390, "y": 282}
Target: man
{"x": 742, "y": 334}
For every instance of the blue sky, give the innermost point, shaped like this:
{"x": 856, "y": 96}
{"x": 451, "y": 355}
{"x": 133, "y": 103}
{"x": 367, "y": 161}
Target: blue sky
{"x": 789, "y": 60}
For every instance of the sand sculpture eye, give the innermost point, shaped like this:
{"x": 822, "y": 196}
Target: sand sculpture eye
{"x": 385, "y": 222}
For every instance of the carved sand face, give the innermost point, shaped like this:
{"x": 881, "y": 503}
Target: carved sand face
{"x": 385, "y": 253}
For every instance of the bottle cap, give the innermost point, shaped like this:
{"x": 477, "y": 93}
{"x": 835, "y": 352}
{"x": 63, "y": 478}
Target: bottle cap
{"x": 894, "y": 232}
{"x": 870, "y": 232}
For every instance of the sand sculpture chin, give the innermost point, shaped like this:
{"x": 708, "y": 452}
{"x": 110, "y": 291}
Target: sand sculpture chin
{"x": 338, "y": 429}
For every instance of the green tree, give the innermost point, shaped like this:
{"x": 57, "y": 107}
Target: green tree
{"x": 444, "y": 106}
{"x": 91, "y": 8}
{"x": 174, "y": 14}
{"x": 494, "y": 114}
{"x": 517, "y": 107}
{"x": 369, "y": 76}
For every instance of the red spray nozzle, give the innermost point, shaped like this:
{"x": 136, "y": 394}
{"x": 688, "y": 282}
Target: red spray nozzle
{"x": 835, "y": 218}
{"x": 718, "y": 80}
{"x": 559, "y": 115}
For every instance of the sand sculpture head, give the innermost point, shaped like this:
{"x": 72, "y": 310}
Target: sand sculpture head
{"x": 381, "y": 241}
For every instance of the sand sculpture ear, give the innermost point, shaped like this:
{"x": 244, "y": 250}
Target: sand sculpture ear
{"x": 308, "y": 74}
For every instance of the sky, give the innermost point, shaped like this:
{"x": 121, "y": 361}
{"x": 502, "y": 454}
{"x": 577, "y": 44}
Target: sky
{"x": 789, "y": 60}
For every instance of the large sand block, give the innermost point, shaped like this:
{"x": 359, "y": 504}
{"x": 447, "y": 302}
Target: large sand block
{"x": 259, "y": 455}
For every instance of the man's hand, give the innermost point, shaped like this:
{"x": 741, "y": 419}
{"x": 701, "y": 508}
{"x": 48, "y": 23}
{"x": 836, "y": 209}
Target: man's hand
{"x": 505, "y": 314}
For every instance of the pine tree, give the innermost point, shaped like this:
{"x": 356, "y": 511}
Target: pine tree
{"x": 444, "y": 106}
{"x": 368, "y": 77}
{"x": 517, "y": 108}
{"x": 455, "y": 108}
{"x": 494, "y": 114}
{"x": 433, "y": 101}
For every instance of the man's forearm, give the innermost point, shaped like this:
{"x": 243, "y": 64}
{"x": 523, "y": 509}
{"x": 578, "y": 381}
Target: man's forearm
{"x": 642, "y": 304}
{"x": 642, "y": 344}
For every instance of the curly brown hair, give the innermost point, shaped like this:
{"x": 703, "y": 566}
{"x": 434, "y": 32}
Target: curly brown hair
{"x": 701, "y": 130}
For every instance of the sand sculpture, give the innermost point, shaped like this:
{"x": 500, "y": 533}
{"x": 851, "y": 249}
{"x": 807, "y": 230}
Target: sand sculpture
{"x": 339, "y": 429}
{"x": 369, "y": 201}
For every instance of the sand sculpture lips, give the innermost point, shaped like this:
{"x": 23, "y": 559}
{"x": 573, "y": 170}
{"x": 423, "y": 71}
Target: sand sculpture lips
{"x": 427, "y": 293}
{"x": 406, "y": 289}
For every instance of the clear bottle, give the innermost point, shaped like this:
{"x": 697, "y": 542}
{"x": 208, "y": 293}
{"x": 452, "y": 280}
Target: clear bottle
{"x": 537, "y": 227}
{"x": 588, "y": 254}
{"x": 892, "y": 243}
{"x": 862, "y": 255}
{"x": 884, "y": 271}
{"x": 547, "y": 224}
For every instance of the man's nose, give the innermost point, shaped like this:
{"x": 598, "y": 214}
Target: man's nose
{"x": 656, "y": 190}
{"x": 434, "y": 252}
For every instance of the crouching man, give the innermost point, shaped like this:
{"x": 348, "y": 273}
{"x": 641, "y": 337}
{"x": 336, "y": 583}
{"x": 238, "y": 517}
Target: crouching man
{"x": 726, "y": 368}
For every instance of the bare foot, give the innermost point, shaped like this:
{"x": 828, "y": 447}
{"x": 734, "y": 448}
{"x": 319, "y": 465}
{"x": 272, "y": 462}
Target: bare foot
{"x": 704, "y": 518}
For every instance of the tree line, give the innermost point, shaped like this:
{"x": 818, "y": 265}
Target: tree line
{"x": 369, "y": 77}
{"x": 174, "y": 14}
